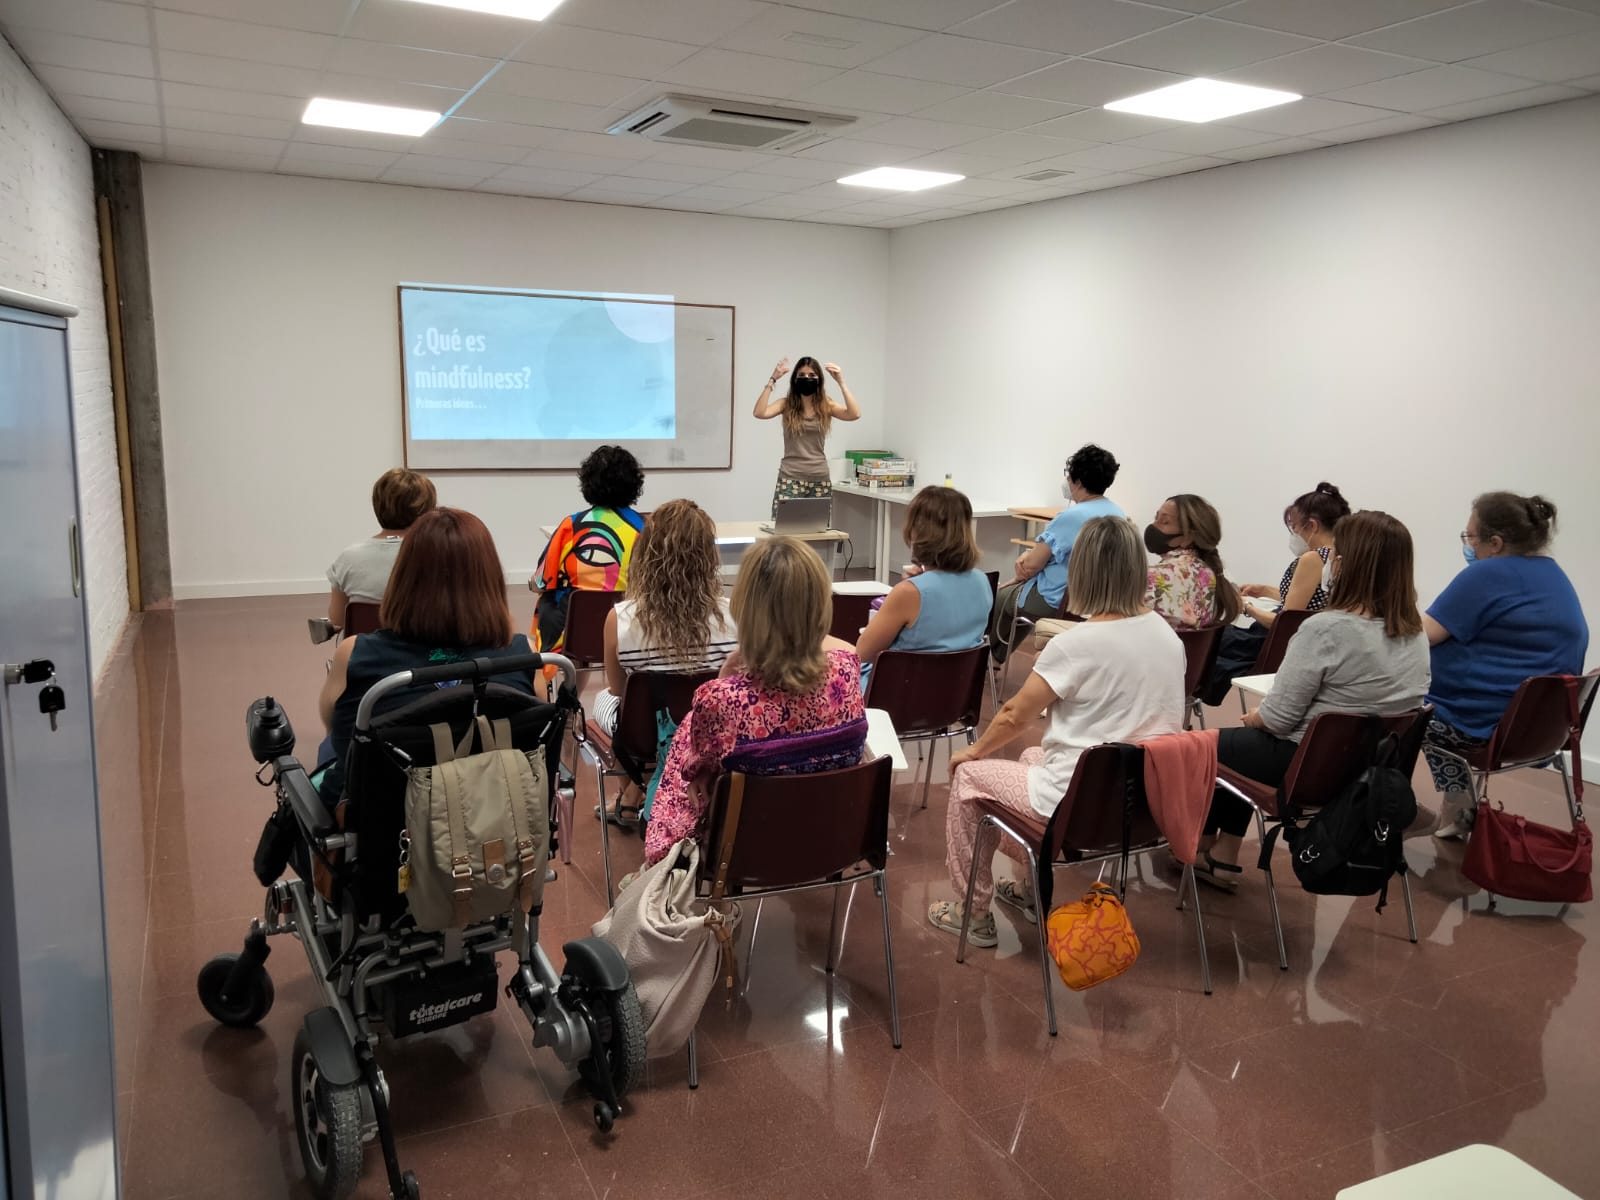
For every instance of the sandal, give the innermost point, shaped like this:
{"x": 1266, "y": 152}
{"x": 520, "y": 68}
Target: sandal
{"x": 624, "y": 816}
{"x": 1206, "y": 870}
{"x": 1009, "y": 891}
{"x": 946, "y": 915}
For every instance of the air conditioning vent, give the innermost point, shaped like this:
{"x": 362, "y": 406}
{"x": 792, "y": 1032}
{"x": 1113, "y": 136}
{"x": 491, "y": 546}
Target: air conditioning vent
{"x": 727, "y": 125}
{"x": 1044, "y": 176}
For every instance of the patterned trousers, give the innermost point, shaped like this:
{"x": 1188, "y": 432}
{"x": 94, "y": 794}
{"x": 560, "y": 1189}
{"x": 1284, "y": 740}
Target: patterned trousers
{"x": 998, "y": 779}
{"x": 1448, "y": 774}
{"x": 790, "y": 488}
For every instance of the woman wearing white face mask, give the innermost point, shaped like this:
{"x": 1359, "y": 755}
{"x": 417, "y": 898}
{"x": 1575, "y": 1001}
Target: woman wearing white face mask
{"x": 808, "y": 412}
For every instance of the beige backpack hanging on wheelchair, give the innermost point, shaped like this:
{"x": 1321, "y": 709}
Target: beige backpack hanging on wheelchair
{"x": 477, "y": 830}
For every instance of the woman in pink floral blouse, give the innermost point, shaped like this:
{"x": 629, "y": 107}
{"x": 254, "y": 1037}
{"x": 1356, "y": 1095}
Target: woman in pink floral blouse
{"x": 788, "y": 701}
{"x": 1187, "y": 585}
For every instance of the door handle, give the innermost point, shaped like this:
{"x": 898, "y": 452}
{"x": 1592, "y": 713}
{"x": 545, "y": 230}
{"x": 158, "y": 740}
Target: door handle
{"x": 75, "y": 556}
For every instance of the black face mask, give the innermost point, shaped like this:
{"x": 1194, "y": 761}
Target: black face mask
{"x": 1157, "y": 542}
{"x": 806, "y": 386}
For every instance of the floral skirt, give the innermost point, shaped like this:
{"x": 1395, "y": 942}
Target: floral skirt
{"x": 790, "y": 488}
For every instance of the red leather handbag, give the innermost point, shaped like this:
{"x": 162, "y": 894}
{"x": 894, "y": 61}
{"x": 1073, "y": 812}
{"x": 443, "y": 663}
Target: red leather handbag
{"x": 1511, "y": 856}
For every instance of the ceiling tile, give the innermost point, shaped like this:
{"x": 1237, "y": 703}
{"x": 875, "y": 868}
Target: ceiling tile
{"x": 1102, "y": 125}
{"x": 1203, "y": 46}
{"x": 1118, "y": 158}
{"x": 699, "y": 21}
{"x": 1100, "y": 182}
{"x": 866, "y": 154}
{"x": 427, "y": 179}
{"x": 754, "y": 74}
{"x": 207, "y": 70}
{"x": 827, "y": 196}
{"x": 1550, "y": 93}
{"x": 341, "y": 140}
{"x": 1023, "y": 147}
{"x": 1325, "y": 68}
{"x": 1209, "y": 138}
{"x": 1431, "y": 89}
{"x": 763, "y": 183}
{"x": 1308, "y": 116}
{"x": 1196, "y": 6}
{"x": 312, "y": 16}
{"x": 1554, "y": 61}
{"x": 709, "y": 156}
{"x": 1331, "y": 19}
{"x": 940, "y": 58}
{"x": 445, "y": 147}
{"x": 641, "y": 187}
{"x": 823, "y": 38}
{"x": 305, "y": 153}
{"x": 527, "y": 191}
{"x": 547, "y": 177}
{"x": 1271, "y": 149}
{"x": 1183, "y": 166}
{"x": 958, "y": 162}
{"x": 806, "y": 170}
{"x": 557, "y": 83}
{"x": 995, "y": 110}
{"x": 84, "y": 18}
{"x": 777, "y": 208}
{"x": 316, "y": 169}
{"x": 140, "y": 138}
{"x": 601, "y": 145}
{"x": 1398, "y": 123}
{"x": 427, "y": 27}
{"x": 222, "y": 160}
{"x": 196, "y": 139}
{"x": 225, "y": 100}
{"x": 1476, "y": 29}
{"x": 497, "y": 133}
{"x": 925, "y": 135}
{"x": 878, "y": 93}
{"x": 523, "y": 110}
{"x": 437, "y": 164}
{"x": 1591, "y": 84}
{"x": 368, "y": 90}
{"x": 355, "y": 57}
{"x": 236, "y": 39}
{"x": 84, "y": 54}
{"x": 97, "y": 108}
{"x": 600, "y": 50}
{"x": 917, "y": 14}
{"x": 681, "y": 174}
{"x": 722, "y": 197}
{"x": 1088, "y": 81}
{"x": 982, "y": 189}
{"x": 1066, "y": 26}
{"x": 67, "y": 81}
{"x": 221, "y": 122}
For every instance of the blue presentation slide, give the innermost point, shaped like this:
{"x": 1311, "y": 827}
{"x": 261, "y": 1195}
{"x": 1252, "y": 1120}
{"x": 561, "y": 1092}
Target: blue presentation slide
{"x": 507, "y": 366}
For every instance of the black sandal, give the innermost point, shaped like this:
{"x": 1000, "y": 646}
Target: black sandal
{"x": 1207, "y": 869}
{"x": 624, "y": 816}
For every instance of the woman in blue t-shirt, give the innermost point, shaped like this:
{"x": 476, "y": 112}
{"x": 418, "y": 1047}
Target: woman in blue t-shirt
{"x": 1510, "y": 614}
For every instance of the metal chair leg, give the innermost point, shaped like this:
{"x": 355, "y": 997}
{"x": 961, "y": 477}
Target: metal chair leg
{"x": 927, "y": 773}
{"x": 1044, "y": 945}
{"x": 1566, "y": 783}
{"x": 880, "y": 884}
{"x": 1411, "y": 914}
{"x": 750, "y": 950}
{"x": 972, "y": 883}
{"x": 566, "y": 817}
{"x": 1200, "y": 713}
{"x": 605, "y": 833}
{"x": 1272, "y": 897}
{"x": 694, "y": 1060}
{"x": 1199, "y": 924}
{"x": 833, "y": 932}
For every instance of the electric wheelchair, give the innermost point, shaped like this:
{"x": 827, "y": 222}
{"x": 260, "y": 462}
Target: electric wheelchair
{"x": 376, "y": 969}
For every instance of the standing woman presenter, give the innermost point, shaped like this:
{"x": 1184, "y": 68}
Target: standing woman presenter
{"x": 808, "y": 412}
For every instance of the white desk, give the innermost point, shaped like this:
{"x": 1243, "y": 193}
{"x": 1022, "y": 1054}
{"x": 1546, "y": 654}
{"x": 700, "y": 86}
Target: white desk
{"x": 882, "y": 499}
{"x": 883, "y": 741}
{"x": 1255, "y": 685}
{"x": 1470, "y": 1173}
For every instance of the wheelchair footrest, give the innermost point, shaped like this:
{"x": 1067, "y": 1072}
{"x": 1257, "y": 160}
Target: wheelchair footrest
{"x": 443, "y": 997}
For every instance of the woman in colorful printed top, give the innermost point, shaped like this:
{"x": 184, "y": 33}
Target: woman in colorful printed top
{"x": 589, "y": 549}
{"x": 808, "y": 412}
{"x": 788, "y": 701}
{"x": 1187, "y": 586}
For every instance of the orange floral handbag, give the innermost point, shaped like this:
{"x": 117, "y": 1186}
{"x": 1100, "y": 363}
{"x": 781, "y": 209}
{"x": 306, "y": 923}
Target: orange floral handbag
{"x": 1092, "y": 940}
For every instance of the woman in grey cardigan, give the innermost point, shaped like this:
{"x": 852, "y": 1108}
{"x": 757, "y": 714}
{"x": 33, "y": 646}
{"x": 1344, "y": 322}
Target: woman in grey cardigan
{"x": 1365, "y": 653}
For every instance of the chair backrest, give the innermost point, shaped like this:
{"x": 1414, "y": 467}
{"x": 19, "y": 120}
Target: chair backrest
{"x": 360, "y": 616}
{"x": 1273, "y": 649}
{"x": 585, "y": 639}
{"x": 994, "y": 583}
{"x": 1088, "y": 820}
{"x": 925, "y": 691}
{"x": 642, "y": 695}
{"x": 1538, "y": 721}
{"x": 1200, "y": 648}
{"x": 850, "y": 615}
{"x": 1331, "y": 753}
{"x": 798, "y": 829}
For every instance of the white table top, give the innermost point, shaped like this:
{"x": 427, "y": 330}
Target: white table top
{"x": 882, "y": 740}
{"x": 860, "y": 587}
{"x": 1254, "y": 685}
{"x": 904, "y": 496}
{"x": 1470, "y": 1173}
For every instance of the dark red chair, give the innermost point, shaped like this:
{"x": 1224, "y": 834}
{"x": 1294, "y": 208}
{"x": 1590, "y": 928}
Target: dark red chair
{"x": 930, "y": 695}
{"x": 1270, "y": 658}
{"x": 797, "y": 833}
{"x": 1330, "y": 757}
{"x": 850, "y": 615}
{"x": 635, "y": 738}
{"x": 1536, "y": 728}
{"x": 1200, "y": 648}
{"x": 1087, "y": 827}
{"x": 585, "y": 639}
{"x": 360, "y": 616}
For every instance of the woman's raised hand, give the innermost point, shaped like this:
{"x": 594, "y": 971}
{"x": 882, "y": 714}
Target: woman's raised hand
{"x": 835, "y": 370}
{"x": 781, "y": 369}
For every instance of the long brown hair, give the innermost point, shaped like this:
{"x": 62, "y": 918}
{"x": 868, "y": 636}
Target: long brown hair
{"x": 938, "y": 529}
{"x": 783, "y": 605}
{"x": 794, "y": 404}
{"x": 675, "y": 580}
{"x": 447, "y": 587}
{"x": 1376, "y": 573}
{"x": 1198, "y": 521}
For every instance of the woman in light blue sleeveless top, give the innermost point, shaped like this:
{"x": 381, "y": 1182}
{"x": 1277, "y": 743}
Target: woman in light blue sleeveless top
{"x": 945, "y": 603}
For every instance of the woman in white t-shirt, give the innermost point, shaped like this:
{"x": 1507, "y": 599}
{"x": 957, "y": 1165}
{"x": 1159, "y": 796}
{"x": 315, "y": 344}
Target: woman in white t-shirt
{"x": 1115, "y": 677}
{"x": 674, "y": 618}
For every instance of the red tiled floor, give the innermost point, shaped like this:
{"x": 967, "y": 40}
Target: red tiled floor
{"x": 1368, "y": 1054}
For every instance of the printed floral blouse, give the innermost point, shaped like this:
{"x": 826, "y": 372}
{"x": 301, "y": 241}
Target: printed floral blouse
{"x": 1183, "y": 590}
{"x": 737, "y": 723}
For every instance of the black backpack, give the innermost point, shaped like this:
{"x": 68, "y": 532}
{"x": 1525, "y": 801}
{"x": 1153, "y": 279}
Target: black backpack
{"x": 1352, "y": 845}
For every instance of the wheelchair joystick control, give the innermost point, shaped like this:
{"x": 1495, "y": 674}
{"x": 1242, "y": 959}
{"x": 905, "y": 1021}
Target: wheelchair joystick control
{"x": 268, "y": 730}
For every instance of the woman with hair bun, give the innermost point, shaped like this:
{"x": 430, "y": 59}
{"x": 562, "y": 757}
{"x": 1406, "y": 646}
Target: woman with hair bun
{"x": 1510, "y": 613}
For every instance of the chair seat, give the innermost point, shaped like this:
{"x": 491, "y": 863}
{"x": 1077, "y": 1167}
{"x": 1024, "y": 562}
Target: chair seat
{"x": 601, "y": 740}
{"x": 1030, "y": 826}
{"x": 1263, "y": 795}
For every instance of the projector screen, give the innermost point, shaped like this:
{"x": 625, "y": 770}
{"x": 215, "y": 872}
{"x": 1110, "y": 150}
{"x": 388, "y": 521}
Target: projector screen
{"x": 506, "y": 381}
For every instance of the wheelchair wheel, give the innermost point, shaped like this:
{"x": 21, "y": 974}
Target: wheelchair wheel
{"x": 248, "y": 1006}
{"x": 622, "y": 1034}
{"x": 327, "y": 1120}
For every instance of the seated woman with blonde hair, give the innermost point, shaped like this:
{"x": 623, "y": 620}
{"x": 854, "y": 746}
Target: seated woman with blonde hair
{"x": 788, "y": 701}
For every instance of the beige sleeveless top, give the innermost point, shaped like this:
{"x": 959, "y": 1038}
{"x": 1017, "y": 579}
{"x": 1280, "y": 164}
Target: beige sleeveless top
{"x": 803, "y": 453}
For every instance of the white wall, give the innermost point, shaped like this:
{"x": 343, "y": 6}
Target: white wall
{"x": 50, "y": 246}
{"x": 278, "y": 346}
{"x": 1416, "y": 319}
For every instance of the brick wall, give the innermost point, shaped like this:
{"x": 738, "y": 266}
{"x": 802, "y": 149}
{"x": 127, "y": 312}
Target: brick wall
{"x": 49, "y": 245}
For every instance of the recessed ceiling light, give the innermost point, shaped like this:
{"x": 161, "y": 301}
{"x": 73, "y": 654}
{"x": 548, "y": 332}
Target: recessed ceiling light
{"x": 900, "y": 179}
{"x": 374, "y": 118}
{"x": 528, "y": 10}
{"x": 1201, "y": 100}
